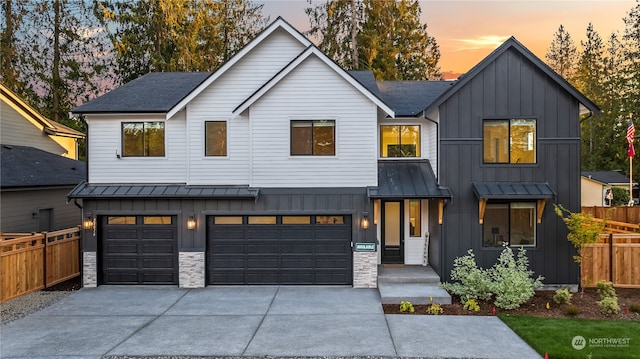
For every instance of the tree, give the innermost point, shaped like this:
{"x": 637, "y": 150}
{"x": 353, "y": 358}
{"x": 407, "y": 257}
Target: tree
{"x": 13, "y": 11}
{"x": 562, "y": 54}
{"x": 350, "y": 33}
{"x": 177, "y": 35}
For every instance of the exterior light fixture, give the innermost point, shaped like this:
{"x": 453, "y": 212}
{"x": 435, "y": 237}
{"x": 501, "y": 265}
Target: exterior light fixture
{"x": 191, "y": 223}
{"x": 365, "y": 221}
{"x": 88, "y": 223}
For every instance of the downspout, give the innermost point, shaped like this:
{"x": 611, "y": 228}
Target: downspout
{"x": 588, "y": 117}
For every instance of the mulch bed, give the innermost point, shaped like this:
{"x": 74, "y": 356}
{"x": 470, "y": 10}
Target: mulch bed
{"x": 586, "y": 302}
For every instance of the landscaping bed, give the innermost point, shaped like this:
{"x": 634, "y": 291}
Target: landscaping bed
{"x": 586, "y": 302}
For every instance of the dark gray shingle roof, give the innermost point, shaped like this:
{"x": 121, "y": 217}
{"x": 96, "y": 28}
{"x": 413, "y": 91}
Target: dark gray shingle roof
{"x": 366, "y": 79}
{"x": 30, "y": 167}
{"x": 147, "y": 190}
{"x": 410, "y": 98}
{"x": 609, "y": 177}
{"x": 407, "y": 179}
{"x": 513, "y": 190}
{"x": 155, "y": 92}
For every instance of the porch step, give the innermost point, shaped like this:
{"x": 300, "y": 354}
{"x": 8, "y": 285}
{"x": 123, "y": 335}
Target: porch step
{"x": 416, "y": 293}
{"x": 407, "y": 274}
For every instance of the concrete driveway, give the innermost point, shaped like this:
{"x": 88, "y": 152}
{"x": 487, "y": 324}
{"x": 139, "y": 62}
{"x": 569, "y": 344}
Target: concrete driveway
{"x": 248, "y": 321}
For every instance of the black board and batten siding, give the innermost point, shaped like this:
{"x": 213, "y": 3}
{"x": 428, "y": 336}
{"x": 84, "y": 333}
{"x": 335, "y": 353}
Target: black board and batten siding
{"x": 510, "y": 87}
{"x": 347, "y": 202}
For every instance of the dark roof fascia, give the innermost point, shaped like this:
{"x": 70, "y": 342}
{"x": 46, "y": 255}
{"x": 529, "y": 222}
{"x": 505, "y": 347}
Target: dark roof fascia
{"x": 515, "y": 44}
{"x": 35, "y": 188}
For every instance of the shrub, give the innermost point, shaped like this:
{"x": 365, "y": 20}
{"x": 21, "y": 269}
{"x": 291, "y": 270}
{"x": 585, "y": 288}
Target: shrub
{"x": 582, "y": 228}
{"x": 406, "y": 307}
{"x": 606, "y": 290}
{"x": 634, "y": 308}
{"x": 609, "y": 305}
{"x": 471, "y": 282}
{"x": 435, "y": 309}
{"x": 562, "y": 296}
{"x": 512, "y": 280}
{"x": 572, "y": 310}
{"x": 472, "y": 305}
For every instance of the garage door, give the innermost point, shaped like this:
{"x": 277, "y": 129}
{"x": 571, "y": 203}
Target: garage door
{"x": 279, "y": 250}
{"x": 139, "y": 250}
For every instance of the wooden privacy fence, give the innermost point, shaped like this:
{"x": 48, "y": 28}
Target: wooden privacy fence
{"x": 617, "y": 214}
{"x": 615, "y": 258}
{"x": 30, "y": 262}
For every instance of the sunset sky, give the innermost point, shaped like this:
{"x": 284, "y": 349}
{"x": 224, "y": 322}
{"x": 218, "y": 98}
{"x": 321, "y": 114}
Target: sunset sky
{"x": 467, "y": 31}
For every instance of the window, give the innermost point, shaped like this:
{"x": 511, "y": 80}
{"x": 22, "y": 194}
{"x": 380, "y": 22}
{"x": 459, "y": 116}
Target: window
{"x": 296, "y": 220}
{"x": 215, "y": 140}
{"x": 509, "y": 223}
{"x": 329, "y": 220}
{"x": 121, "y": 220}
{"x": 262, "y": 220}
{"x": 509, "y": 141}
{"x": 143, "y": 139}
{"x": 399, "y": 141}
{"x": 415, "y": 218}
{"x": 313, "y": 138}
{"x": 156, "y": 220}
{"x": 227, "y": 220}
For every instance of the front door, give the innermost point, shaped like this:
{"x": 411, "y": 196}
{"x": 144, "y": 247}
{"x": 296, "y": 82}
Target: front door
{"x": 392, "y": 243}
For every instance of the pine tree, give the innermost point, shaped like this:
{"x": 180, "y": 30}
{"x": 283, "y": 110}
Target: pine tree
{"x": 177, "y": 35}
{"x": 562, "y": 54}
{"x": 350, "y": 33}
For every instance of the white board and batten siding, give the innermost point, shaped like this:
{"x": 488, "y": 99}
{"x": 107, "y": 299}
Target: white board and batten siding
{"x": 313, "y": 91}
{"x": 217, "y": 102}
{"x": 105, "y": 134}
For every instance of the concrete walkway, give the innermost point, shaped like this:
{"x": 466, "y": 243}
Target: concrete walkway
{"x": 248, "y": 321}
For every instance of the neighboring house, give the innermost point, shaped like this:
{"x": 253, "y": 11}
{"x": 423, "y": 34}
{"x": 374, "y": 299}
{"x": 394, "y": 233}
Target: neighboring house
{"x": 24, "y": 126}
{"x": 39, "y": 168}
{"x": 282, "y": 168}
{"x": 596, "y": 184}
{"x": 34, "y": 188}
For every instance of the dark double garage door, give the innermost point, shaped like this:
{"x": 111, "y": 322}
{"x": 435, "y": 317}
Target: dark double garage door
{"x": 240, "y": 250}
{"x": 279, "y": 250}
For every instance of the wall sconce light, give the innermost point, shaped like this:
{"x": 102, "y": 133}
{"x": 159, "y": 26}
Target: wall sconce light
{"x": 88, "y": 223}
{"x": 365, "y": 221}
{"x": 191, "y": 223}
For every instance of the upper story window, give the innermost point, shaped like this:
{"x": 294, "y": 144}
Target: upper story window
{"x": 143, "y": 139}
{"x": 215, "y": 138}
{"x": 313, "y": 138}
{"x": 509, "y": 141}
{"x": 399, "y": 141}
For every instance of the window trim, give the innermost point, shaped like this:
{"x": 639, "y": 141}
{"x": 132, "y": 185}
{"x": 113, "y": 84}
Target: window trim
{"x": 420, "y": 140}
{"x": 509, "y": 121}
{"x": 226, "y": 147}
{"x": 164, "y": 127}
{"x": 312, "y": 120}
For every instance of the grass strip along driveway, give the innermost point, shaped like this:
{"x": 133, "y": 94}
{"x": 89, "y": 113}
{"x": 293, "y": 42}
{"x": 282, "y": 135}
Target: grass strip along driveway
{"x": 578, "y": 338}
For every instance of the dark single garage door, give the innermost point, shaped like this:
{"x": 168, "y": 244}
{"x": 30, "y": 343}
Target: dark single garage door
{"x": 279, "y": 250}
{"x": 139, "y": 250}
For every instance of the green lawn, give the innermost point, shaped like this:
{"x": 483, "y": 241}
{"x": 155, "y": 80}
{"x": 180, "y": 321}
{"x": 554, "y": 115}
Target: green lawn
{"x": 606, "y": 339}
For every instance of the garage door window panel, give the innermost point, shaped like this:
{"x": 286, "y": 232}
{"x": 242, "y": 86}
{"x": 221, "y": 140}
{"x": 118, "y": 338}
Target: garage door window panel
{"x": 121, "y": 220}
{"x": 329, "y": 219}
{"x": 262, "y": 220}
{"x": 157, "y": 220}
{"x": 229, "y": 220}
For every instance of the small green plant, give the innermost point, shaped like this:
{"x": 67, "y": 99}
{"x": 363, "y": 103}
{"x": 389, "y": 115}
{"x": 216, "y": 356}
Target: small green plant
{"x": 634, "y": 308}
{"x": 572, "y": 310}
{"x": 562, "y": 296}
{"x": 609, "y": 305}
{"x": 406, "y": 307}
{"x": 511, "y": 279}
{"x": 606, "y": 290}
{"x": 435, "y": 309}
{"x": 472, "y": 305}
{"x": 470, "y": 281}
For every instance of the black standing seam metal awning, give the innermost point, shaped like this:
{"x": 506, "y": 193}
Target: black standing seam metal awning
{"x": 538, "y": 191}
{"x": 85, "y": 190}
{"x": 513, "y": 190}
{"x": 399, "y": 179}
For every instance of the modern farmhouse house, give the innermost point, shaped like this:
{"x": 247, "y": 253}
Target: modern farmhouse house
{"x": 283, "y": 168}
